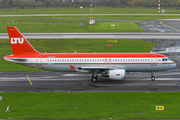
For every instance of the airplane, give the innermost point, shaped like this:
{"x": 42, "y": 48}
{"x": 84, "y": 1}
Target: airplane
{"x": 112, "y": 65}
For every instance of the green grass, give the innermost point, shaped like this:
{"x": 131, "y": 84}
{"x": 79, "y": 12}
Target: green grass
{"x": 84, "y": 11}
{"x": 119, "y": 27}
{"x": 51, "y": 25}
{"x": 118, "y": 105}
{"x": 69, "y": 46}
{"x": 35, "y": 25}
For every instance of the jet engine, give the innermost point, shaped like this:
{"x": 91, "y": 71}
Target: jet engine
{"x": 115, "y": 74}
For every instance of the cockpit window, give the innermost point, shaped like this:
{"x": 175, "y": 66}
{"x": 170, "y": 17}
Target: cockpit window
{"x": 165, "y": 59}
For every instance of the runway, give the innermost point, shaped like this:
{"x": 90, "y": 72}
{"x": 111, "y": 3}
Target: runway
{"x": 136, "y": 36}
{"x": 74, "y": 82}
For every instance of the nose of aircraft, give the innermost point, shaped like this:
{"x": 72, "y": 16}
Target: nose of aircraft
{"x": 174, "y": 65}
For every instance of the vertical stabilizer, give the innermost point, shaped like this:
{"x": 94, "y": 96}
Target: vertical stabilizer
{"x": 19, "y": 43}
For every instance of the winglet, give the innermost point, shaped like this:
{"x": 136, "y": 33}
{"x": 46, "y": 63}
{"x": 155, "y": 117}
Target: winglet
{"x": 19, "y": 43}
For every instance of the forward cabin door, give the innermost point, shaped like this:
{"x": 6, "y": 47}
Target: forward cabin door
{"x": 153, "y": 60}
{"x": 38, "y": 60}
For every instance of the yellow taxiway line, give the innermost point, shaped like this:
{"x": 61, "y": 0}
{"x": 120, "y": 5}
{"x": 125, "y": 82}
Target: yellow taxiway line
{"x": 29, "y": 80}
{"x": 169, "y": 26}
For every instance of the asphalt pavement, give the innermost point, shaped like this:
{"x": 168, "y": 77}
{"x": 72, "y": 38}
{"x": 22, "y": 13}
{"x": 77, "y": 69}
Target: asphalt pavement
{"x": 75, "y": 82}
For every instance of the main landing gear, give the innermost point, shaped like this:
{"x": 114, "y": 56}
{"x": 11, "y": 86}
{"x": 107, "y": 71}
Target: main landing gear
{"x": 94, "y": 78}
{"x": 152, "y": 76}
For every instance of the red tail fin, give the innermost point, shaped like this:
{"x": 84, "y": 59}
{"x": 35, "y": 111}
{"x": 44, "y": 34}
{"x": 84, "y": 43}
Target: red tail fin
{"x": 19, "y": 43}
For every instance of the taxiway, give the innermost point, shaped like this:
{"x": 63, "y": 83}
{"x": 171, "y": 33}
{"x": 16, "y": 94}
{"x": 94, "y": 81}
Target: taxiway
{"x": 74, "y": 82}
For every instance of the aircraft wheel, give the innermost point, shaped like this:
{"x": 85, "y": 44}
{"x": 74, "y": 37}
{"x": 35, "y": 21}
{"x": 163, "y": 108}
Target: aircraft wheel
{"x": 153, "y": 78}
{"x": 94, "y": 79}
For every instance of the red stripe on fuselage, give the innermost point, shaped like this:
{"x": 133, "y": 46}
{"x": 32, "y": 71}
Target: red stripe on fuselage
{"x": 87, "y": 55}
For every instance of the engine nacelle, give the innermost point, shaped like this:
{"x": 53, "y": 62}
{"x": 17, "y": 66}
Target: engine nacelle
{"x": 117, "y": 74}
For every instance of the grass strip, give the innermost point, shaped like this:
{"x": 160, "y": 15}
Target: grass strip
{"x": 85, "y": 11}
{"x": 64, "y": 26}
{"x": 118, "y": 27}
{"x": 90, "y": 105}
{"x": 71, "y": 45}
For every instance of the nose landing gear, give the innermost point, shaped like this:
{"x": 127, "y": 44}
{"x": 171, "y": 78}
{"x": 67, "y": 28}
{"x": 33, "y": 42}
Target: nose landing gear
{"x": 152, "y": 76}
{"x": 94, "y": 78}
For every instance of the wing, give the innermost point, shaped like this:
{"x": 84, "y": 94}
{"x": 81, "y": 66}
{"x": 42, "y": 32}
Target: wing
{"x": 95, "y": 69}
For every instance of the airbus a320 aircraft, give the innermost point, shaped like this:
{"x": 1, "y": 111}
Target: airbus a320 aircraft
{"x": 112, "y": 65}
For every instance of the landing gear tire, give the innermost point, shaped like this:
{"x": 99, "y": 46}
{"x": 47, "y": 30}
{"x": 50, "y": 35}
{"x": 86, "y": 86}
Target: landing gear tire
{"x": 153, "y": 78}
{"x": 94, "y": 79}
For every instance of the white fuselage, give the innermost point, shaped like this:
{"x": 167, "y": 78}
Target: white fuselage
{"x": 129, "y": 64}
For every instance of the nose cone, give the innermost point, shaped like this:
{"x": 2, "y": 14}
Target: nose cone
{"x": 174, "y": 65}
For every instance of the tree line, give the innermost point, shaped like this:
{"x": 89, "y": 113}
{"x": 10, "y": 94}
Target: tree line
{"x": 86, "y": 3}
